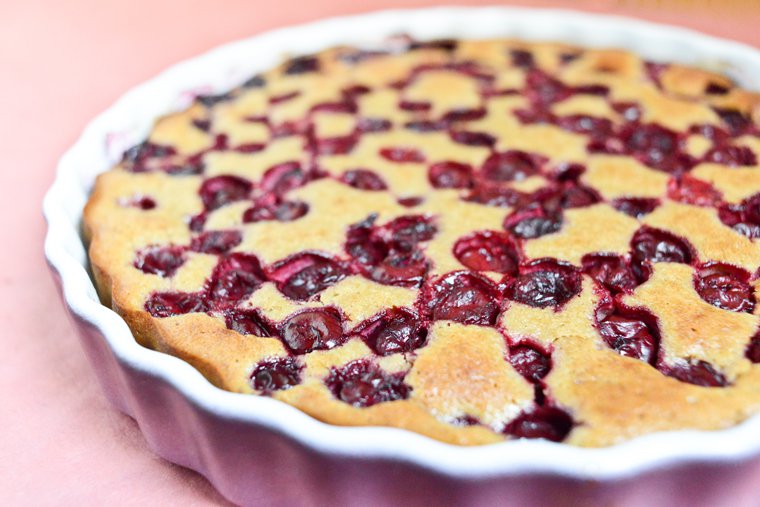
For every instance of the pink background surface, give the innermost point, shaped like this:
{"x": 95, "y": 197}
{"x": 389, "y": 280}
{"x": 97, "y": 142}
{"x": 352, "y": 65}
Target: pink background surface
{"x": 64, "y": 62}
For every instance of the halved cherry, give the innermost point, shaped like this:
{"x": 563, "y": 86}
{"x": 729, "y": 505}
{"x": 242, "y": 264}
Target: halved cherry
{"x": 700, "y": 373}
{"x": 530, "y": 361}
{"x": 396, "y": 330}
{"x": 402, "y": 154}
{"x": 612, "y": 271}
{"x": 362, "y": 383}
{"x": 216, "y": 242}
{"x": 488, "y": 251}
{"x": 550, "y": 423}
{"x": 363, "y": 179}
{"x": 690, "y": 190}
{"x": 631, "y": 332}
{"x": 222, "y": 190}
{"x": 462, "y": 297}
{"x": 169, "y": 304}
{"x": 512, "y": 165}
{"x": 725, "y": 286}
{"x": 450, "y": 174}
{"x": 636, "y": 207}
{"x": 312, "y": 329}
{"x": 160, "y": 260}
{"x": 234, "y": 278}
{"x": 276, "y": 374}
{"x": 303, "y": 275}
{"x": 533, "y": 222}
{"x": 657, "y": 245}
{"x": 248, "y": 321}
{"x": 545, "y": 283}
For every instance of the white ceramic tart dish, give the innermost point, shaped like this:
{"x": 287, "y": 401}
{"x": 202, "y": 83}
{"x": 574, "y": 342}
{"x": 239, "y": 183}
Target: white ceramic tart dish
{"x": 240, "y": 441}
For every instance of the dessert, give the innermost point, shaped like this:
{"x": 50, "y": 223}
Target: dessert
{"x": 473, "y": 240}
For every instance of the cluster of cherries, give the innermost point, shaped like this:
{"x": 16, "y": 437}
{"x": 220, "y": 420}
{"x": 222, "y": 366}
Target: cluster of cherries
{"x": 394, "y": 253}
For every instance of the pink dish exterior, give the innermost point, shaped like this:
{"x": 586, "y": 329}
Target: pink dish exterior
{"x": 259, "y": 451}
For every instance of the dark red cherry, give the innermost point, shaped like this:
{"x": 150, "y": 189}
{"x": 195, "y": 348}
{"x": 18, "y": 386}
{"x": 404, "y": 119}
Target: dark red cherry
{"x": 530, "y": 361}
{"x": 630, "y": 111}
{"x": 234, "y": 278}
{"x": 450, "y": 174}
{"x": 373, "y": 125}
{"x": 188, "y": 168}
{"x": 612, "y": 271}
{"x": 312, "y": 329}
{"x": 276, "y": 374}
{"x": 522, "y": 58}
{"x": 495, "y": 195}
{"x": 725, "y": 286}
{"x": 568, "y": 172}
{"x": 488, "y": 251}
{"x": 753, "y": 349}
{"x": 254, "y": 82}
{"x": 160, "y": 260}
{"x": 689, "y": 190}
{"x": 363, "y": 244}
{"x": 447, "y": 45}
{"x": 414, "y": 105}
{"x": 404, "y": 268}
{"x": 533, "y": 223}
{"x": 302, "y": 65}
{"x": 283, "y": 211}
{"x": 744, "y": 217}
{"x": 656, "y": 245}
{"x": 732, "y": 156}
{"x": 636, "y": 207}
{"x": 363, "y": 179}
{"x": 654, "y": 71}
{"x": 248, "y": 322}
{"x": 211, "y": 100}
{"x": 303, "y": 275}
{"x": 221, "y": 190}
{"x": 737, "y": 122}
{"x": 583, "y": 124}
{"x": 137, "y": 156}
{"x": 550, "y": 423}
{"x": 402, "y": 155}
{"x": 169, "y": 304}
{"x": 283, "y": 177}
{"x": 410, "y": 202}
{"x": 197, "y": 222}
{"x": 216, "y": 242}
{"x": 572, "y": 195}
{"x": 426, "y": 125}
{"x": 465, "y": 420}
{"x": 335, "y": 145}
{"x": 346, "y": 106}
{"x": 545, "y": 283}
{"x": 536, "y": 114}
{"x": 407, "y": 231}
{"x": 511, "y": 165}
{"x": 397, "y": 330}
{"x": 362, "y": 384}
{"x": 249, "y": 147}
{"x": 700, "y": 373}
{"x": 462, "y": 297}
{"x": 472, "y": 138}
{"x": 142, "y": 202}
{"x": 717, "y": 135}
{"x": 464, "y": 114}
{"x": 656, "y": 146}
{"x": 630, "y": 332}
{"x": 544, "y": 89}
